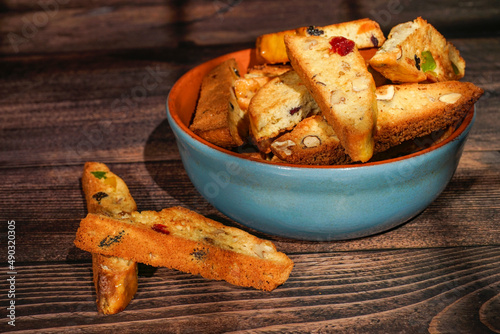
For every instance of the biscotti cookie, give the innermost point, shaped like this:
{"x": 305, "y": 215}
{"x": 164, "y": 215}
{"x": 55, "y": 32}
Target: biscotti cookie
{"x": 311, "y": 142}
{"x": 408, "y": 111}
{"x": 115, "y": 279}
{"x": 415, "y": 144}
{"x": 211, "y": 118}
{"x": 415, "y": 51}
{"x": 365, "y": 33}
{"x": 105, "y": 192}
{"x": 182, "y": 239}
{"x": 336, "y": 75}
{"x": 243, "y": 91}
{"x": 256, "y": 77}
{"x": 280, "y": 105}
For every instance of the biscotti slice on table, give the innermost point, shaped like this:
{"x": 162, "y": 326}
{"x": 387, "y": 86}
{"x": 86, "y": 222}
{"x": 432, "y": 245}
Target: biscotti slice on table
{"x": 182, "y": 239}
{"x": 415, "y": 51}
{"x": 115, "y": 279}
{"x": 336, "y": 75}
{"x": 278, "y": 106}
{"x": 311, "y": 142}
{"x": 105, "y": 192}
{"x": 211, "y": 119}
{"x": 365, "y": 33}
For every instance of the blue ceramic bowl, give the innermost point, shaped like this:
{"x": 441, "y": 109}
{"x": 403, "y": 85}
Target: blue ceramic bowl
{"x": 303, "y": 202}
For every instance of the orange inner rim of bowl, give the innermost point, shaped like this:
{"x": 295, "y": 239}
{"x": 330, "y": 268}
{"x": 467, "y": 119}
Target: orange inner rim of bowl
{"x": 184, "y": 95}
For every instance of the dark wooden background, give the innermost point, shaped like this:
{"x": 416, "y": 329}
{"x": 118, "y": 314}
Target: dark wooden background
{"x": 73, "y": 88}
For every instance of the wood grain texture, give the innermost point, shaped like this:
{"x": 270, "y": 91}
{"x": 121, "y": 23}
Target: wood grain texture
{"x": 28, "y": 27}
{"x": 408, "y": 291}
{"x": 88, "y": 80}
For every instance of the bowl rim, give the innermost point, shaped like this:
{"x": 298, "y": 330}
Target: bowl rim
{"x": 171, "y": 110}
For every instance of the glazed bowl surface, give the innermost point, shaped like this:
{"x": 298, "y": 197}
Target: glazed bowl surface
{"x": 318, "y": 203}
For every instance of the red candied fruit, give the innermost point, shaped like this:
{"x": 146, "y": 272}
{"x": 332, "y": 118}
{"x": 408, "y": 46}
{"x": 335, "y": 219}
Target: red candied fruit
{"x": 341, "y": 45}
{"x": 160, "y": 228}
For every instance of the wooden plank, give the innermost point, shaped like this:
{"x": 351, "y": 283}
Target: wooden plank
{"x": 405, "y": 290}
{"x": 47, "y": 204}
{"x": 33, "y": 27}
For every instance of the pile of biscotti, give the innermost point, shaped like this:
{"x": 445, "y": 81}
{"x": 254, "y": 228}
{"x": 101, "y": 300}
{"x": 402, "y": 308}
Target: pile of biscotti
{"x": 338, "y": 94}
{"x": 119, "y": 237}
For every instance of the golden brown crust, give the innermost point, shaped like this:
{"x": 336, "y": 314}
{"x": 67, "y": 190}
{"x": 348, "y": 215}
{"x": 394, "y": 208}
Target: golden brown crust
{"x": 418, "y": 109}
{"x": 115, "y": 279}
{"x": 182, "y": 239}
{"x": 311, "y": 142}
{"x": 211, "y": 119}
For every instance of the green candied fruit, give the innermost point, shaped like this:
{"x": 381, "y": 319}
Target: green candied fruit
{"x": 99, "y": 175}
{"x": 428, "y": 62}
{"x": 455, "y": 69}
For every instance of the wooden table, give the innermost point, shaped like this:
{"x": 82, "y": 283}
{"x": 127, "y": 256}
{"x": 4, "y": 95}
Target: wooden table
{"x": 88, "y": 80}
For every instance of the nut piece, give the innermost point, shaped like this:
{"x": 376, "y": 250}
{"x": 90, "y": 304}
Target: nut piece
{"x": 387, "y": 95}
{"x": 345, "y": 66}
{"x": 283, "y": 146}
{"x": 261, "y": 250}
{"x": 311, "y": 141}
{"x": 309, "y": 43}
{"x": 398, "y": 52}
{"x": 450, "y": 98}
{"x": 337, "y": 97}
{"x": 359, "y": 84}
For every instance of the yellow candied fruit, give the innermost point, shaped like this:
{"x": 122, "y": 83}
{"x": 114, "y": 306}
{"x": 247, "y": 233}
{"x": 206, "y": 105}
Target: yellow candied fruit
{"x": 272, "y": 47}
{"x": 111, "y": 181}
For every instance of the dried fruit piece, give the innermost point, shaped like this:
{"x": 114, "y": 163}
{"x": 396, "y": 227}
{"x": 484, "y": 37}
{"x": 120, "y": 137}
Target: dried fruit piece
{"x": 417, "y": 62}
{"x": 428, "y": 62}
{"x": 99, "y": 174}
{"x": 111, "y": 239}
{"x": 199, "y": 254}
{"x": 341, "y": 45}
{"x": 312, "y": 31}
{"x": 99, "y": 196}
{"x": 160, "y": 228}
{"x": 295, "y": 110}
